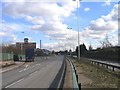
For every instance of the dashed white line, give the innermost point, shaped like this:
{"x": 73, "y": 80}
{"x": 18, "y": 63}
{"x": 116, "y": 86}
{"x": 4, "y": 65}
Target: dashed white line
{"x": 14, "y": 83}
{"x": 26, "y": 66}
{"x": 33, "y": 73}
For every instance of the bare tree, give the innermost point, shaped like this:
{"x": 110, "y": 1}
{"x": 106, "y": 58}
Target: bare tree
{"x": 106, "y": 43}
{"x": 90, "y": 47}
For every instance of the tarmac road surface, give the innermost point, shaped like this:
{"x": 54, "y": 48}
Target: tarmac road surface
{"x": 37, "y": 74}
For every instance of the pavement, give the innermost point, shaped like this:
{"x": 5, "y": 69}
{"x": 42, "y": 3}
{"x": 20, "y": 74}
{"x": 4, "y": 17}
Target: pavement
{"x": 6, "y": 63}
{"x": 68, "y": 83}
{"x": 9, "y": 65}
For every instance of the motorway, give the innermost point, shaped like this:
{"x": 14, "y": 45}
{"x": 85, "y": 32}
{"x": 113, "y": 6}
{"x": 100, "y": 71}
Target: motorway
{"x": 38, "y": 74}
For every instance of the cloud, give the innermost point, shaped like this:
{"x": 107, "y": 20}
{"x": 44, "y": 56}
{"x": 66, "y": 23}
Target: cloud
{"x": 35, "y": 20}
{"x": 97, "y": 29}
{"x": 107, "y": 3}
{"x": 113, "y": 15}
{"x": 87, "y": 9}
{"x": 102, "y": 25}
{"x": 6, "y": 34}
{"x": 9, "y": 31}
{"x": 47, "y": 17}
{"x": 107, "y": 24}
{"x": 46, "y": 9}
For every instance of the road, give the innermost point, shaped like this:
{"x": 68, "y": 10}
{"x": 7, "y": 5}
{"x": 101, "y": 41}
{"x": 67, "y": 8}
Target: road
{"x": 38, "y": 74}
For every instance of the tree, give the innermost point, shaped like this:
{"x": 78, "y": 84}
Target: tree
{"x": 53, "y": 52}
{"x": 70, "y": 51}
{"x": 90, "y": 48}
{"x": 40, "y": 52}
{"x": 10, "y": 49}
{"x": 76, "y": 51}
{"x": 82, "y": 49}
{"x": 106, "y": 43}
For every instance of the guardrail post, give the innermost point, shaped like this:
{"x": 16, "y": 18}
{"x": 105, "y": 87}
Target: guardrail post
{"x": 98, "y": 63}
{"x": 113, "y": 69}
{"x": 77, "y": 77}
{"x": 107, "y": 66}
{"x": 74, "y": 67}
{"x": 102, "y": 64}
{"x": 79, "y": 85}
{"x": 75, "y": 71}
{"x": 92, "y": 62}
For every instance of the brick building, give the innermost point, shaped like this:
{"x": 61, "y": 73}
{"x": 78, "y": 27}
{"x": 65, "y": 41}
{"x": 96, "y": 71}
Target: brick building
{"x": 25, "y": 45}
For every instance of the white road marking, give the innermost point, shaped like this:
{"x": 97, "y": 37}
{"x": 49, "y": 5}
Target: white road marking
{"x": 21, "y": 70}
{"x": 33, "y": 73}
{"x": 1, "y": 71}
{"x": 26, "y": 67}
{"x": 23, "y": 78}
{"x": 14, "y": 83}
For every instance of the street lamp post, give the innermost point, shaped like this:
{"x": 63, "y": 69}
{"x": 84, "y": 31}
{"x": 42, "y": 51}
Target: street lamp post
{"x": 78, "y": 31}
{"x": 78, "y": 28}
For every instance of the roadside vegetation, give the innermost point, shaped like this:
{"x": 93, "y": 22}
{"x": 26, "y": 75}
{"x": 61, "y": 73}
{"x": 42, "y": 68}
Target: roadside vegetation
{"x": 106, "y": 52}
{"x": 101, "y": 77}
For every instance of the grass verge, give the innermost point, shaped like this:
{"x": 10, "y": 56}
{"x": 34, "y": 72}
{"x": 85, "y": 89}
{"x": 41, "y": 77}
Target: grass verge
{"x": 101, "y": 77}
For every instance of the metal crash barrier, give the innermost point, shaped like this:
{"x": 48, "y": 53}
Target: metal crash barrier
{"x": 76, "y": 85}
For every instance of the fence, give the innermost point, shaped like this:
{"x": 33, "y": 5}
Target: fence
{"x": 106, "y": 65}
{"x": 8, "y": 56}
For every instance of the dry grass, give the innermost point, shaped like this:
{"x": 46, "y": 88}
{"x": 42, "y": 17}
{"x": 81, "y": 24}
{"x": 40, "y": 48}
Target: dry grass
{"x": 101, "y": 78}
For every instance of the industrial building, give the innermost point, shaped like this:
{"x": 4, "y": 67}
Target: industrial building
{"x": 25, "y": 45}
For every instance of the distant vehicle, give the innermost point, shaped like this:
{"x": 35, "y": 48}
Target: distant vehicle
{"x": 15, "y": 58}
{"x": 29, "y": 54}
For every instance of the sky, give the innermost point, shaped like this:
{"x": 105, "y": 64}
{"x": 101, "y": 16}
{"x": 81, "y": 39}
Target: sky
{"x": 57, "y": 22}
